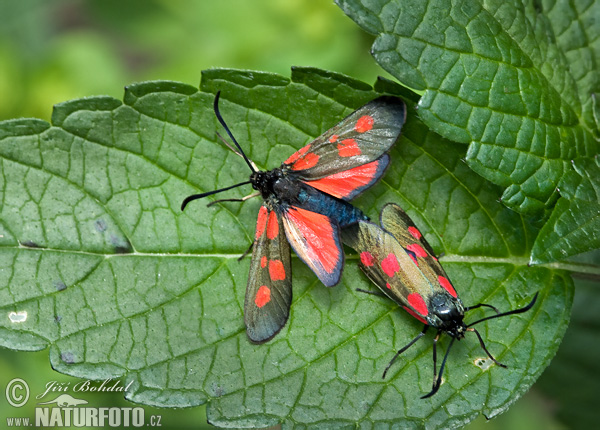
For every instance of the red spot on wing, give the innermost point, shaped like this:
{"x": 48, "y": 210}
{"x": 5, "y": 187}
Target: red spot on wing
{"x": 367, "y": 258}
{"x": 296, "y": 155}
{"x": 263, "y": 261}
{"x": 418, "y": 304}
{"x": 333, "y": 138}
{"x": 444, "y": 282}
{"x": 261, "y": 223}
{"x": 389, "y": 287}
{"x": 344, "y": 183}
{"x": 364, "y": 123}
{"x": 306, "y": 162}
{"x": 414, "y": 232}
{"x": 412, "y": 256}
{"x": 348, "y": 148}
{"x": 390, "y": 265}
{"x": 414, "y": 314}
{"x": 417, "y": 249}
{"x": 272, "y": 226}
{"x": 263, "y": 296}
{"x": 276, "y": 270}
{"x": 317, "y": 236}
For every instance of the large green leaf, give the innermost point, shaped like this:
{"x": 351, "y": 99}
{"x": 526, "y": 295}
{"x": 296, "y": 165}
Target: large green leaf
{"x": 515, "y": 80}
{"x": 574, "y": 226}
{"x": 99, "y": 264}
{"x": 571, "y": 379}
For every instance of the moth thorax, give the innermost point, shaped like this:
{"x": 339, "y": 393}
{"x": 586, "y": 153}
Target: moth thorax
{"x": 447, "y": 314}
{"x": 263, "y": 181}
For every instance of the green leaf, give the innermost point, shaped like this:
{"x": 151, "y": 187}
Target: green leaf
{"x": 512, "y": 79}
{"x": 574, "y": 226}
{"x": 570, "y": 380}
{"x": 99, "y": 264}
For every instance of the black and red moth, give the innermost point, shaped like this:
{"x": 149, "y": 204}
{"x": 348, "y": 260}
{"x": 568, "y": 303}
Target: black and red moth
{"x": 305, "y": 205}
{"x": 398, "y": 259}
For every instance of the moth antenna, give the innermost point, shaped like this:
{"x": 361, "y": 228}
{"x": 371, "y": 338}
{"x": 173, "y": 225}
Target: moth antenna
{"x": 513, "y": 312}
{"x": 438, "y": 382}
{"x": 222, "y": 121}
{"x": 468, "y": 308}
{"x": 485, "y": 349}
{"x": 209, "y": 193}
{"x": 419, "y": 336}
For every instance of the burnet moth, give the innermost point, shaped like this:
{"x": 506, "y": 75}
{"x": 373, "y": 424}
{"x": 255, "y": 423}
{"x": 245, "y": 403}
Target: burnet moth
{"x": 305, "y": 205}
{"x": 398, "y": 259}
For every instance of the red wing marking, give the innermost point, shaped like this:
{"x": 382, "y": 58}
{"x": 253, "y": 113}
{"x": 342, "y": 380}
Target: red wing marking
{"x": 276, "y": 270}
{"x": 389, "y": 287}
{"x": 390, "y": 265}
{"x": 333, "y": 138}
{"x": 444, "y": 282}
{"x": 367, "y": 258}
{"x": 412, "y": 256}
{"x": 261, "y": 222}
{"x": 296, "y": 155}
{"x": 273, "y": 226}
{"x": 414, "y": 232}
{"x": 263, "y": 261}
{"x": 306, "y": 162}
{"x": 414, "y": 314}
{"x": 418, "y": 304}
{"x": 348, "y": 148}
{"x": 344, "y": 183}
{"x": 263, "y": 296}
{"x": 313, "y": 238}
{"x": 364, "y": 123}
{"x": 417, "y": 249}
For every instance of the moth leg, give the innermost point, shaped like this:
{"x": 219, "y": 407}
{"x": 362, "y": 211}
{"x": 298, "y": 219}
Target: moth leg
{"x": 419, "y": 336}
{"x": 485, "y": 349}
{"x": 435, "y": 341}
{"x": 243, "y": 199}
{"x": 374, "y": 293}
{"x": 246, "y": 252}
{"x": 437, "y": 382}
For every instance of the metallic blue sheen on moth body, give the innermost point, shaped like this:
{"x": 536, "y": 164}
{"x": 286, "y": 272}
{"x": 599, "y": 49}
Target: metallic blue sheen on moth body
{"x": 305, "y": 204}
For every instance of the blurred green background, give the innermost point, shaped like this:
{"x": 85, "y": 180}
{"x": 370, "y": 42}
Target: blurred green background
{"x": 52, "y": 51}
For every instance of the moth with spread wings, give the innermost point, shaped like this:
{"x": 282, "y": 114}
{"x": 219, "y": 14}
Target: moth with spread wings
{"x": 306, "y": 200}
{"x": 398, "y": 259}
